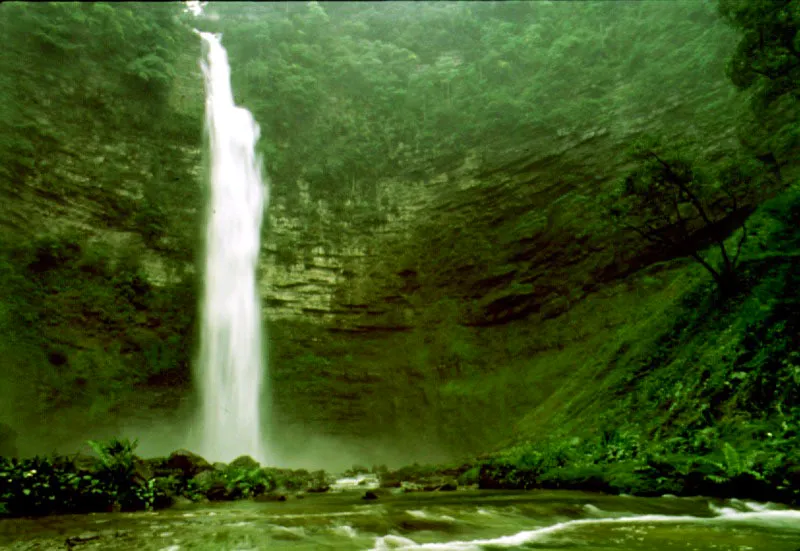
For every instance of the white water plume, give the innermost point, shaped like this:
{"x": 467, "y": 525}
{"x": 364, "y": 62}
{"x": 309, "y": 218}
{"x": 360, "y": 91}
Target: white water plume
{"x": 785, "y": 519}
{"x": 230, "y": 364}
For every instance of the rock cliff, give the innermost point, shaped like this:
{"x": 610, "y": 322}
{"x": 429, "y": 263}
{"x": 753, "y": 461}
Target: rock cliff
{"x": 404, "y": 309}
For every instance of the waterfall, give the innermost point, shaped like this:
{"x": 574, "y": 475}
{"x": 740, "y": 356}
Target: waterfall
{"x": 230, "y": 369}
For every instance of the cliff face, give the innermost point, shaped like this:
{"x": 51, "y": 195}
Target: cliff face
{"x": 472, "y": 229}
{"x": 409, "y": 307}
{"x": 432, "y": 309}
{"x": 98, "y": 229}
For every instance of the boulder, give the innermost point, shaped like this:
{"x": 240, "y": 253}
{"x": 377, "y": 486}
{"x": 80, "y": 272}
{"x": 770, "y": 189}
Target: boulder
{"x": 142, "y": 470}
{"x": 158, "y": 466}
{"x": 218, "y": 491}
{"x": 80, "y": 463}
{"x": 391, "y": 483}
{"x": 448, "y": 486}
{"x": 205, "y": 479}
{"x": 244, "y": 462}
{"x": 187, "y": 462}
{"x": 270, "y": 497}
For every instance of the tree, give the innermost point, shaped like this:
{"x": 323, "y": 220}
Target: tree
{"x": 767, "y": 62}
{"x": 670, "y": 201}
{"x": 768, "y": 54}
{"x": 347, "y": 92}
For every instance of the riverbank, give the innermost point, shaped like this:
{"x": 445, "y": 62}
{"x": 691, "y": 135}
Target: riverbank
{"x": 115, "y": 479}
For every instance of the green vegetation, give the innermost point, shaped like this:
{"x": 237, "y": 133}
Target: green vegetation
{"x": 98, "y": 326}
{"x": 243, "y": 482}
{"x": 669, "y": 201}
{"x": 39, "y": 485}
{"x": 766, "y": 63}
{"x": 626, "y": 462}
{"x": 92, "y": 121}
{"x": 116, "y": 479}
{"x": 527, "y": 324}
{"x": 767, "y": 56}
{"x": 699, "y": 398}
{"x": 91, "y": 106}
{"x": 346, "y": 93}
{"x": 715, "y": 392}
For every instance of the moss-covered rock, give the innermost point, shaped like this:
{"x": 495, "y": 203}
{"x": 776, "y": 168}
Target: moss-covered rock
{"x": 189, "y": 463}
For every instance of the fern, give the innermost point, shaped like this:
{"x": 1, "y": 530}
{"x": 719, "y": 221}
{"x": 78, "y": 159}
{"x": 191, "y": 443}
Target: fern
{"x": 115, "y": 454}
{"x": 733, "y": 464}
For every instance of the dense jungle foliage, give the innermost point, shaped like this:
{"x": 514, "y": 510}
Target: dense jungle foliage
{"x": 107, "y": 97}
{"x": 90, "y": 97}
{"x": 352, "y": 92}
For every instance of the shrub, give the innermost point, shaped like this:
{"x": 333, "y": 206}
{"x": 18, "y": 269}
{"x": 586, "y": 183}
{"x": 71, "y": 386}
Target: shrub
{"x": 243, "y": 482}
{"x": 116, "y": 469}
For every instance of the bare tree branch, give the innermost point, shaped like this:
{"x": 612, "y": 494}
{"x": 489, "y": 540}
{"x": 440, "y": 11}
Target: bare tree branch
{"x": 677, "y": 180}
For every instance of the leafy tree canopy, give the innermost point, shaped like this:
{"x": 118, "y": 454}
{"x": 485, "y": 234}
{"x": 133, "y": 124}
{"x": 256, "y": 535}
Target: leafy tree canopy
{"x": 767, "y": 62}
{"x": 347, "y": 91}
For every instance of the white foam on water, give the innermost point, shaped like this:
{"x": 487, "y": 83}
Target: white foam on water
{"x": 421, "y": 514}
{"x": 756, "y": 506}
{"x": 359, "y": 482}
{"x": 722, "y": 511}
{"x": 598, "y": 512}
{"x": 783, "y": 519}
{"x": 345, "y": 530}
{"x": 370, "y": 511}
{"x": 388, "y": 543}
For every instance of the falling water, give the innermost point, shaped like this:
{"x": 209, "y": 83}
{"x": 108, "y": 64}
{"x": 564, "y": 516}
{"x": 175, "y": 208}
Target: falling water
{"x": 230, "y": 367}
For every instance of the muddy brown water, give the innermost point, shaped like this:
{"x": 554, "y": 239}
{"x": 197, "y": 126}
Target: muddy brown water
{"x": 447, "y": 521}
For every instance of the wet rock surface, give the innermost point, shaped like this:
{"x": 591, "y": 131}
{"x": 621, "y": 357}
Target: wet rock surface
{"x": 187, "y": 462}
{"x": 244, "y": 462}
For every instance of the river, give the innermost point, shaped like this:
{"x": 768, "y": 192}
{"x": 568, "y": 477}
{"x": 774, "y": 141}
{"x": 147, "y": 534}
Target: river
{"x": 462, "y": 521}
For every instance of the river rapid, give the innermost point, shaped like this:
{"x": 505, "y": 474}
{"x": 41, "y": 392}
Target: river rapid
{"x": 458, "y": 521}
